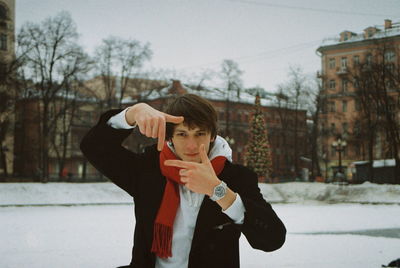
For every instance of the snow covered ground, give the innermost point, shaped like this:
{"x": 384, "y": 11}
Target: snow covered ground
{"x": 321, "y": 234}
{"x": 108, "y": 193}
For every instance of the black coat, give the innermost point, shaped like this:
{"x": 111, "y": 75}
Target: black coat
{"x": 216, "y": 238}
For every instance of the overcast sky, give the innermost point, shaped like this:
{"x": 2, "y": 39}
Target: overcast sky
{"x": 264, "y": 36}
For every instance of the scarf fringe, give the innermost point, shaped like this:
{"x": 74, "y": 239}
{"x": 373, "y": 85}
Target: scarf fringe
{"x": 162, "y": 240}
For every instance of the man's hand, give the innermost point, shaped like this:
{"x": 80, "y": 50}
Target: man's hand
{"x": 151, "y": 122}
{"x": 198, "y": 177}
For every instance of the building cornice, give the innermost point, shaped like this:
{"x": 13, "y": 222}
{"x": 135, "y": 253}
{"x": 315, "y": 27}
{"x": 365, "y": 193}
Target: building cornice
{"x": 355, "y": 44}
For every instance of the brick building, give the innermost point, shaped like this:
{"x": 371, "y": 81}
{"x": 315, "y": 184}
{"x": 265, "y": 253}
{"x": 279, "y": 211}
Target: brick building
{"x": 288, "y": 143}
{"x": 340, "y": 59}
{"x": 282, "y": 137}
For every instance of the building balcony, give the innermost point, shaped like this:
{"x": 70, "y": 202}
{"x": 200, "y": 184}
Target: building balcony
{"x": 342, "y": 71}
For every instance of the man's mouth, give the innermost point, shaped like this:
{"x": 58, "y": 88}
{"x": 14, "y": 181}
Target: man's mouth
{"x": 191, "y": 155}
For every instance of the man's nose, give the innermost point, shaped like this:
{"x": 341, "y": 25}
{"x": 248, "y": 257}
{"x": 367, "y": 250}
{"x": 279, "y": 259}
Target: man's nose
{"x": 191, "y": 144}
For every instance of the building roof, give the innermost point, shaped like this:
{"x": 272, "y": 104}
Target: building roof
{"x": 211, "y": 94}
{"x": 381, "y": 32}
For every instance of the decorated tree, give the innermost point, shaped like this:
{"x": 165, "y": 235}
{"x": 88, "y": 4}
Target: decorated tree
{"x": 258, "y": 152}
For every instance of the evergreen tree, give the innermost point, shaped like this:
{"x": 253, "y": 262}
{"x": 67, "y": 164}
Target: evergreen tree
{"x": 258, "y": 152}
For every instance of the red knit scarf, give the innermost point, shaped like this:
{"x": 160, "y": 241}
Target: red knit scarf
{"x": 163, "y": 226}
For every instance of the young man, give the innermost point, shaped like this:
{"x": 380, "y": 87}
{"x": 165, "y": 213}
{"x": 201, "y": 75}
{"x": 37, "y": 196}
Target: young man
{"x": 191, "y": 202}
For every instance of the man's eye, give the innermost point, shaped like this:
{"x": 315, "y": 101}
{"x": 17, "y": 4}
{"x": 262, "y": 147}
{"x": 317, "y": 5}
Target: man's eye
{"x": 181, "y": 134}
{"x": 201, "y": 134}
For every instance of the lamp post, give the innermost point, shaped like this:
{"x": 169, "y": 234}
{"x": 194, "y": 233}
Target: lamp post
{"x": 339, "y": 145}
{"x": 230, "y": 140}
{"x": 325, "y": 158}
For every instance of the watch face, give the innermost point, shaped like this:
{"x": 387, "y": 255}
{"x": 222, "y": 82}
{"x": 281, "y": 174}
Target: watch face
{"x": 220, "y": 191}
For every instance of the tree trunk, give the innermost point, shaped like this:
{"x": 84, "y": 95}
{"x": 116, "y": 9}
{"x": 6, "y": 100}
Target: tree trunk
{"x": 3, "y": 161}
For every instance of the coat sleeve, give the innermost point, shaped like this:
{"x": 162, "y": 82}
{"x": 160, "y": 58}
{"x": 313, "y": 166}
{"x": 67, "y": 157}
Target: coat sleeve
{"x": 102, "y": 146}
{"x": 262, "y": 227}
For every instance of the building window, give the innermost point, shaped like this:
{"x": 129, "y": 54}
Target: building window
{"x": 343, "y": 63}
{"x": 3, "y": 41}
{"x": 324, "y": 107}
{"x": 389, "y": 84}
{"x": 357, "y": 150}
{"x": 356, "y": 60}
{"x": 3, "y": 72}
{"x": 344, "y": 85}
{"x": 368, "y": 59}
{"x": 356, "y": 82}
{"x": 344, "y": 106}
{"x": 389, "y": 67}
{"x": 333, "y": 151}
{"x": 3, "y": 13}
{"x": 357, "y": 105}
{"x": 332, "y": 63}
{"x": 332, "y": 106}
{"x": 390, "y": 56}
{"x": 392, "y": 105}
{"x": 345, "y": 127}
{"x": 332, "y": 84}
{"x": 356, "y": 128}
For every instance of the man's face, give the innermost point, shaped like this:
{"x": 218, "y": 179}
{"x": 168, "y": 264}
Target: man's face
{"x": 187, "y": 142}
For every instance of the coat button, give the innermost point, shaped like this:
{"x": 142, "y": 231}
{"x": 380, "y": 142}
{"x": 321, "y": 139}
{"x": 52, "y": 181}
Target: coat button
{"x": 211, "y": 246}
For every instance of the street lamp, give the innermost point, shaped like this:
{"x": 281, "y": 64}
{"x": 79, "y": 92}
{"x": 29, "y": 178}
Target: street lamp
{"x": 231, "y": 141}
{"x": 339, "y": 145}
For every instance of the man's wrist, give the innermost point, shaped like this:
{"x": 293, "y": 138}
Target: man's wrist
{"x": 130, "y": 115}
{"x": 213, "y": 185}
{"x": 227, "y": 200}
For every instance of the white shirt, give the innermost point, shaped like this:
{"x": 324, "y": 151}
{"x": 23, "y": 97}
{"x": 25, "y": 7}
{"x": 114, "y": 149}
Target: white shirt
{"x": 186, "y": 216}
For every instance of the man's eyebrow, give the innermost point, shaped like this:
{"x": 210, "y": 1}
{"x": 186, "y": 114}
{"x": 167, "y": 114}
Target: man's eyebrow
{"x": 181, "y": 130}
{"x": 184, "y": 130}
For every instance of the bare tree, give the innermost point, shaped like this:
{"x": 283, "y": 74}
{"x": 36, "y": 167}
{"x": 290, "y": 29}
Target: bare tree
{"x": 67, "y": 104}
{"x": 231, "y": 77}
{"x": 367, "y": 120}
{"x": 291, "y": 97}
{"x": 52, "y": 58}
{"x": 119, "y": 61}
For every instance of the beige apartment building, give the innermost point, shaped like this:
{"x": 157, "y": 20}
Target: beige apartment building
{"x": 7, "y": 55}
{"x": 340, "y": 57}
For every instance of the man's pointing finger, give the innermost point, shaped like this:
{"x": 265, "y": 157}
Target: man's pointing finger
{"x": 173, "y": 119}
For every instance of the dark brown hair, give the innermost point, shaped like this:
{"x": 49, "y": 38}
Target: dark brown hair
{"x": 197, "y": 111}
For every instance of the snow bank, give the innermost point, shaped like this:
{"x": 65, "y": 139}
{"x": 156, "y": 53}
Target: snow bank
{"x": 108, "y": 193}
{"x": 61, "y": 194}
{"x": 296, "y": 192}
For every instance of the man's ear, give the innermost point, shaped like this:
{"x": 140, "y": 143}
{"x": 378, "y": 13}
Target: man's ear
{"x": 169, "y": 141}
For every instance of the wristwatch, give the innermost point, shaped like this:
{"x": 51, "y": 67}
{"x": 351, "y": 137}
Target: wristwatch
{"x": 219, "y": 191}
